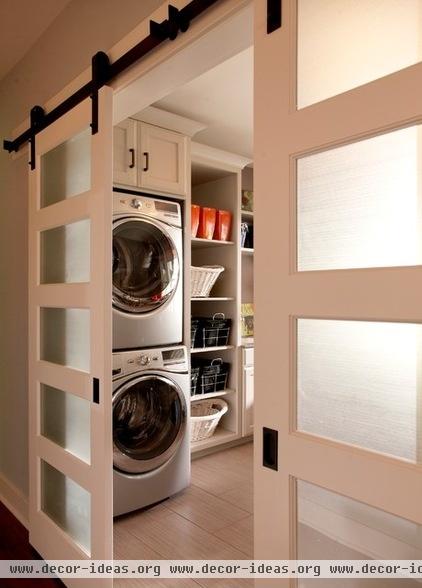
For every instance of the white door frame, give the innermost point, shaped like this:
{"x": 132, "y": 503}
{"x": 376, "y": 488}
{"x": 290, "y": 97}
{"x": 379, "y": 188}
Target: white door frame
{"x": 219, "y": 33}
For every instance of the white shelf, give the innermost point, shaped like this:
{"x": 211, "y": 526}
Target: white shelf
{"x": 211, "y": 395}
{"x": 202, "y": 243}
{"x": 219, "y": 186}
{"x": 212, "y": 299}
{"x": 220, "y": 436}
{"x": 207, "y": 349}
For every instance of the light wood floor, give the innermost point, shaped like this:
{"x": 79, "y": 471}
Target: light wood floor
{"x": 212, "y": 519}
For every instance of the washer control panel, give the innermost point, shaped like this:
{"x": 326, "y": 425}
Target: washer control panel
{"x": 172, "y": 359}
{"x": 165, "y": 210}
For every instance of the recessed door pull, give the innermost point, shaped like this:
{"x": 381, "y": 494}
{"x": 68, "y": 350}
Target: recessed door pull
{"x": 270, "y": 448}
{"x": 274, "y": 11}
{"x": 96, "y": 390}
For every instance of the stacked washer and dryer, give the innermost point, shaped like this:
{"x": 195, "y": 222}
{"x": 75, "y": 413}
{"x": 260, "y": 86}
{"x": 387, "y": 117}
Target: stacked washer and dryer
{"x": 151, "y": 392}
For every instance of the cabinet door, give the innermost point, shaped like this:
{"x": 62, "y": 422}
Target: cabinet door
{"x": 124, "y": 153}
{"x": 162, "y": 160}
{"x": 248, "y": 394}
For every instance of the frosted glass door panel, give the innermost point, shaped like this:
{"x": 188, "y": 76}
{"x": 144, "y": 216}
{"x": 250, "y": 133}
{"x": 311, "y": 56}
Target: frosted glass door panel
{"x": 67, "y": 504}
{"x": 65, "y": 253}
{"x": 65, "y": 420}
{"x": 361, "y": 383}
{"x": 343, "y": 44}
{"x": 65, "y": 337}
{"x": 66, "y": 169}
{"x": 331, "y": 526}
{"x": 359, "y": 205}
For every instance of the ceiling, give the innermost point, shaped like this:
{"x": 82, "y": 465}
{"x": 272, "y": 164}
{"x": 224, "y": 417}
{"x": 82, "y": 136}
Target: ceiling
{"x": 22, "y": 22}
{"x": 221, "y": 98}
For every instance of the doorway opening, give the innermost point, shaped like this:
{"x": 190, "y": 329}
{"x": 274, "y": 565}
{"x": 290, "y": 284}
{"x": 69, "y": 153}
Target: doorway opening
{"x": 187, "y": 151}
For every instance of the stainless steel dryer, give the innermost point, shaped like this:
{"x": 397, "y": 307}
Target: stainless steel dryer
{"x": 151, "y": 452}
{"x": 147, "y": 272}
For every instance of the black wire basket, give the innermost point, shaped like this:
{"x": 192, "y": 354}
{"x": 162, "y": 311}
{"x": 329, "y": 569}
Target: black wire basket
{"x": 211, "y": 376}
{"x": 211, "y": 332}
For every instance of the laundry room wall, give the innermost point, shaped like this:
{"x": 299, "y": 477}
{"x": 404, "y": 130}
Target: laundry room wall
{"x": 59, "y": 55}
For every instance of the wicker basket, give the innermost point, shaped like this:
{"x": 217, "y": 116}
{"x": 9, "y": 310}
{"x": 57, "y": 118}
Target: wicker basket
{"x": 202, "y": 279}
{"x": 205, "y": 416}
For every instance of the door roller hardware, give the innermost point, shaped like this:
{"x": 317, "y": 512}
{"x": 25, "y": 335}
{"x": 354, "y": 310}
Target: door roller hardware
{"x": 103, "y": 72}
{"x": 36, "y": 118}
{"x": 100, "y": 67}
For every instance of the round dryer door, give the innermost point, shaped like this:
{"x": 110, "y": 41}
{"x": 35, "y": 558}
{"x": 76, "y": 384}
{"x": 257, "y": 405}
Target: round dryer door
{"x": 145, "y": 266}
{"x": 149, "y": 421}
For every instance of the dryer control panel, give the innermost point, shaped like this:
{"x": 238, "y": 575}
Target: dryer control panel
{"x": 171, "y": 359}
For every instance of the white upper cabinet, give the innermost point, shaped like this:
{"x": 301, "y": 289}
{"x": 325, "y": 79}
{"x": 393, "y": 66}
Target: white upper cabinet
{"x": 150, "y": 157}
{"x": 163, "y": 159}
{"x": 125, "y": 169}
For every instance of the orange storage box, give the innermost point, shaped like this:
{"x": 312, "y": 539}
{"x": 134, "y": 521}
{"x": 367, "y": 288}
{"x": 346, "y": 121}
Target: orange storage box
{"x": 223, "y": 225}
{"x": 207, "y": 222}
{"x": 194, "y": 219}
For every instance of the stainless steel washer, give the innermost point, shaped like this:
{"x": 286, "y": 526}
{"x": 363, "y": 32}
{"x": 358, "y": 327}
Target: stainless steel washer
{"x": 151, "y": 400}
{"x": 147, "y": 272}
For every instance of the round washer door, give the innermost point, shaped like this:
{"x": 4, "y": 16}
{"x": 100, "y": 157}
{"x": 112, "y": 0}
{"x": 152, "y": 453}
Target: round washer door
{"x": 145, "y": 265}
{"x": 149, "y": 421}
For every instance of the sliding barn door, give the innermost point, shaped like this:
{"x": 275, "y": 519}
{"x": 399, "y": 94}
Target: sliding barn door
{"x": 70, "y": 437}
{"x": 338, "y": 182}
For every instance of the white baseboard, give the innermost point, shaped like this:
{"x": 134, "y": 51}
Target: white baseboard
{"x": 14, "y": 500}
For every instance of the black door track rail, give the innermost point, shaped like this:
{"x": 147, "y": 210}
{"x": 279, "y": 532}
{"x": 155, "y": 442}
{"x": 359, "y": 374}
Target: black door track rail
{"x": 103, "y": 72}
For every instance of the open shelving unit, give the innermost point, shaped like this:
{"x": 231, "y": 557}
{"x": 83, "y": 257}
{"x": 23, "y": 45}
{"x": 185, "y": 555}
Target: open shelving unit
{"x": 217, "y": 183}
